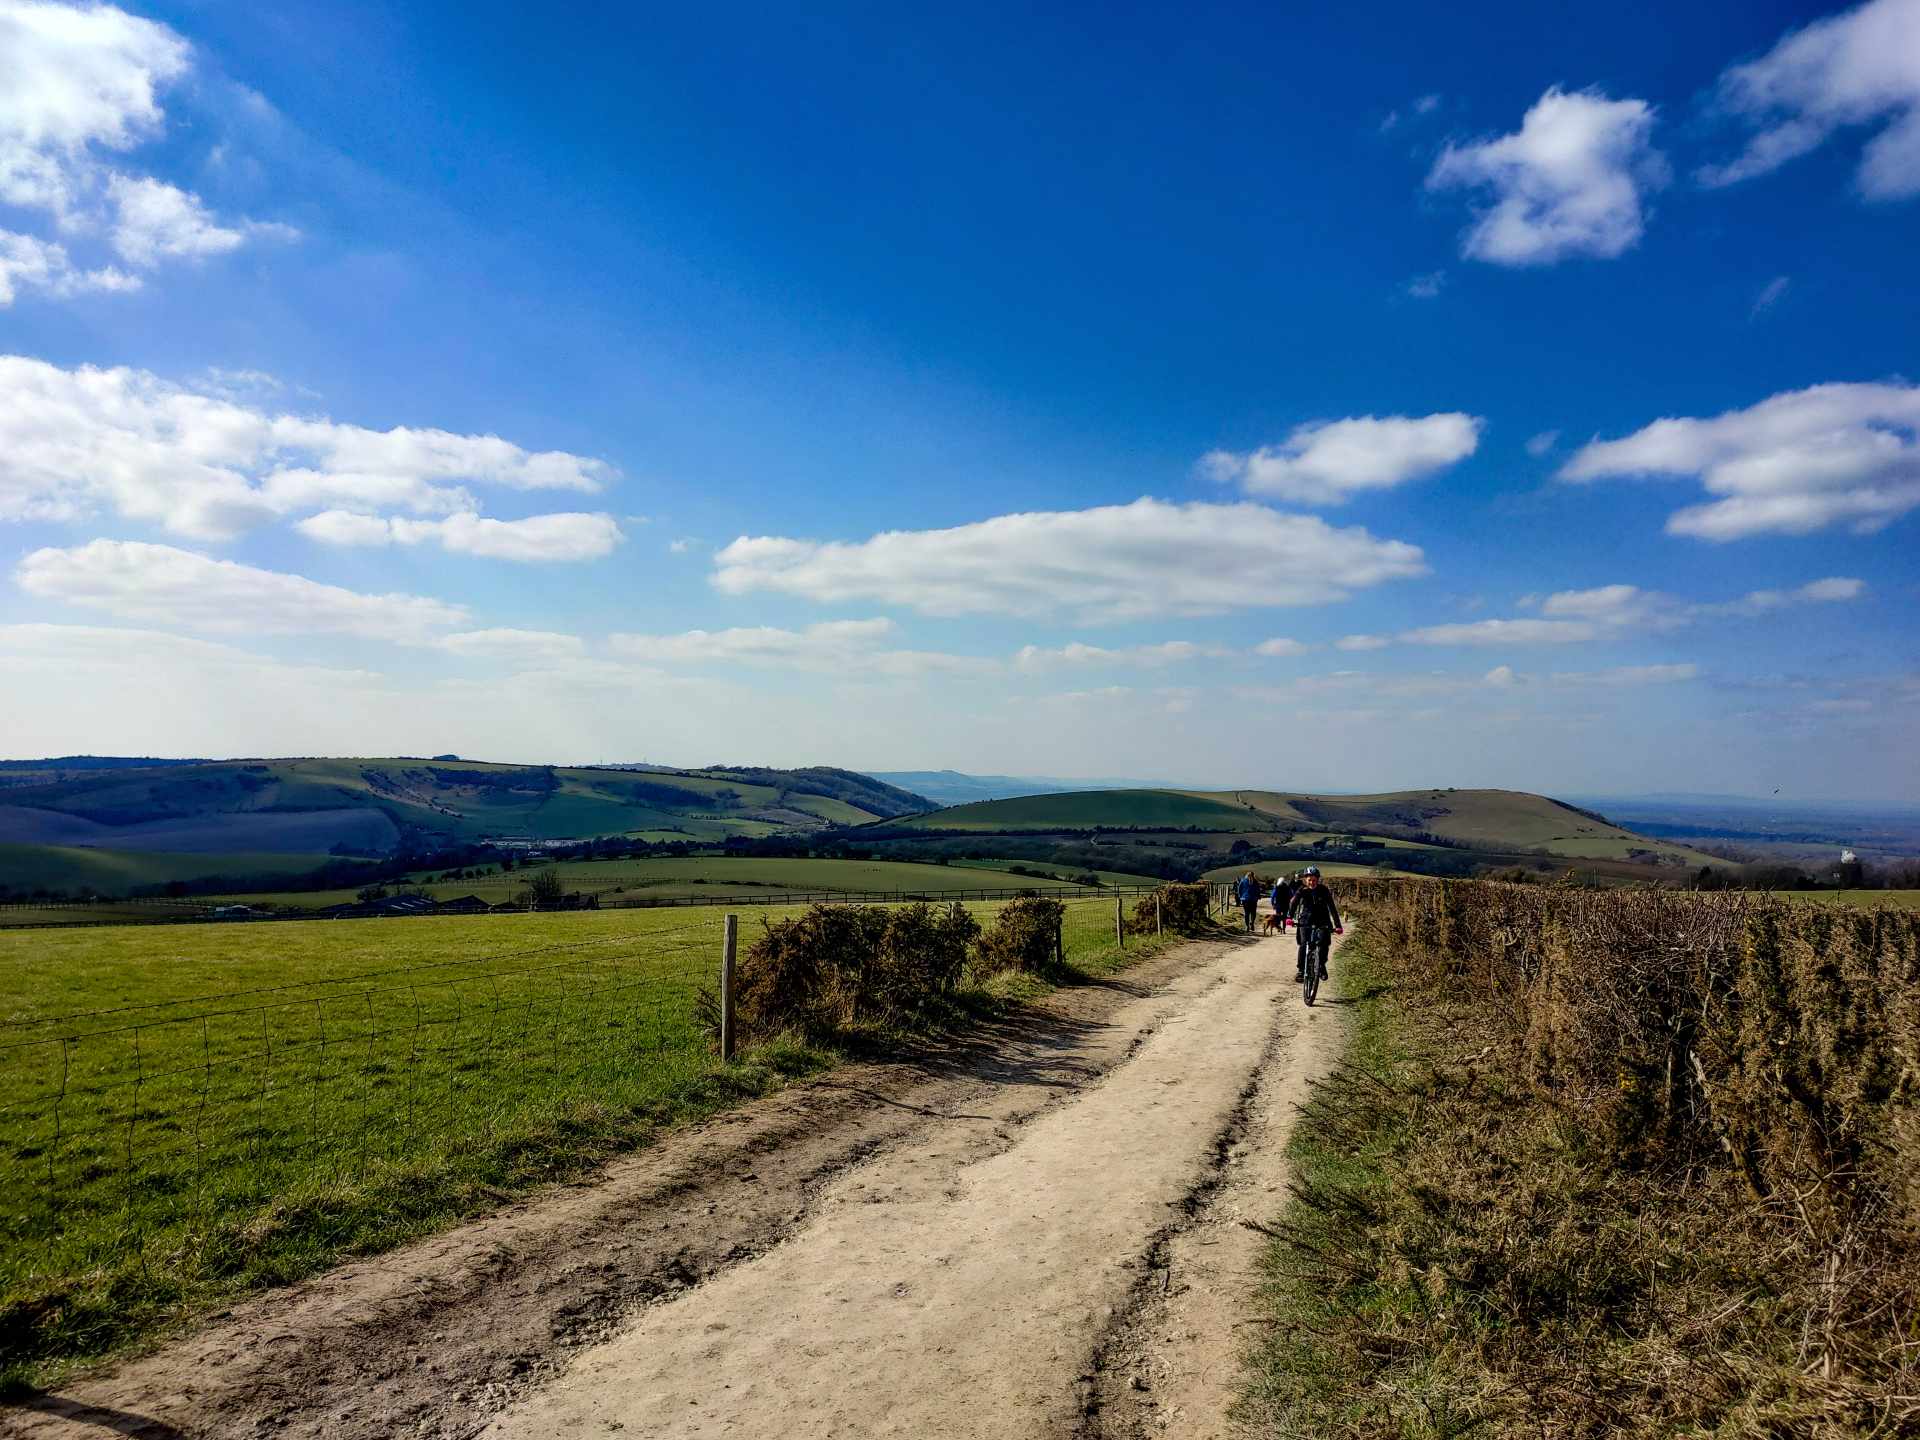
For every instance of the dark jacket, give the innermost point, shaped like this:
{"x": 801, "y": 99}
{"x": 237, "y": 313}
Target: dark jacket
{"x": 1282, "y": 896}
{"x": 1313, "y": 905}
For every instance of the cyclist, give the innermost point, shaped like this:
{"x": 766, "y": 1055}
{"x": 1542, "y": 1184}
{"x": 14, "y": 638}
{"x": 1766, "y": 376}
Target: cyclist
{"x": 1313, "y": 907}
{"x": 1247, "y": 892}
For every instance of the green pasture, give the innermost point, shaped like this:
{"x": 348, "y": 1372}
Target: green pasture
{"x": 25, "y": 868}
{"x": 189, "y": 1112}
{"x": 692, "y": 876}
{"x": 1085, "y": 809}
{"x": 1865, "y": 899}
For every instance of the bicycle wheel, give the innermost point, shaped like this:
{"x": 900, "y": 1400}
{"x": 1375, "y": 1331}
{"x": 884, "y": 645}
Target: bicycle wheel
{"x": 1310, "y": 982}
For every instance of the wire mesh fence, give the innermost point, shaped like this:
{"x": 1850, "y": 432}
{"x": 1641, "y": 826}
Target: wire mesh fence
{"x": 184, "y": 1105}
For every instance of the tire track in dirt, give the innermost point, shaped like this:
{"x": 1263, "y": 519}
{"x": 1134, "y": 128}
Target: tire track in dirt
{"x": 981, "y": 1291}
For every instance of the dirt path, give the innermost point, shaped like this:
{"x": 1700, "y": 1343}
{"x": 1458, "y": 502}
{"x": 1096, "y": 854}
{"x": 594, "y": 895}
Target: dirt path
{"x": 974, "y": 1244}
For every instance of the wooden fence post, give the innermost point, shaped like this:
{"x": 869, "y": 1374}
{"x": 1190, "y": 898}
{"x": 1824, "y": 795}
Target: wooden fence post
{"x": 726, "y": 986}
{"x": 1119, "y": 922}
{"x": 1159, "y": 917}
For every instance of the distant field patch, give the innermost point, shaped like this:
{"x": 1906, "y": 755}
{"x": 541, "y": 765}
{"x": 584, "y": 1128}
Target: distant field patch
{"x": 1085, "y": 810}
{"x": 25, "y": 868}
{"x": 709, "y": 876}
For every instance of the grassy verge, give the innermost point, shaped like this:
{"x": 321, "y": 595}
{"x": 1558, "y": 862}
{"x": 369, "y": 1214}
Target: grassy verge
{"x": 1462, "y": 1258}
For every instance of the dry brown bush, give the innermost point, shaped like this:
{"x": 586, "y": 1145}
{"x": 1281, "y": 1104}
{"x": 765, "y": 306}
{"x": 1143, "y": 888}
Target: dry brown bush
{"x": 839, "y": 967}
{"x": 1024, "y": 936}
{"x": 1708, "y": 1215}
{"x": 1182, "y": 909}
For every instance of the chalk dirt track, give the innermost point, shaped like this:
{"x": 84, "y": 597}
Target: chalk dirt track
{"x": 1037, "y": 1232}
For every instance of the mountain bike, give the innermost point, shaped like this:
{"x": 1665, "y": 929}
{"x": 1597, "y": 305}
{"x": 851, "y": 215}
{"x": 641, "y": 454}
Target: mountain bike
{"x": 1315, "y": 951}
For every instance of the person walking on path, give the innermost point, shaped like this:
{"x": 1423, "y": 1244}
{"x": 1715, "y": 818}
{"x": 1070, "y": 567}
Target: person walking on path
{"x": 1317, "y": 916}
{"x": 1282, "y": 897}
{"x": 1247, "y": 892}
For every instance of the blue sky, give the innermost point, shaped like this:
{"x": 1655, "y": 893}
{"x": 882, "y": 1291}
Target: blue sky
{"x": 426, "y": 378}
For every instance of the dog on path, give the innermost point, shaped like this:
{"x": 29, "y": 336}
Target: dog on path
{"x": 1273, "y": 923}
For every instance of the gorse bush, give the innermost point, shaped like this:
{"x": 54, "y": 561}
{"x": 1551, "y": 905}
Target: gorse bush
{"x": 839, "y": 967}
{"x": 1024, "y": 936}
{"x": 1181, "y": 909}
{"x": 1677, "y": 1189}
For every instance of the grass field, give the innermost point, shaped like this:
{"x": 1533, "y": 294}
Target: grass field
{"x": 1900, "y": 899}
{"x": 25, "y": 868}
{"x": 708, "y": 876}
{"x": 1083, "y": 810}
{"x": 191, "y": 1112}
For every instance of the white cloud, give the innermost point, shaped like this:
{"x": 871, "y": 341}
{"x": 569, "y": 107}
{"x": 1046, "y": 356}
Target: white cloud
{"x": 1362, "y": 642}
{"x": 1571, "y": 181}
{"x": 1793, "y": 464}
{"x": 1540, "y": 444}
{"x": 1426, "y": 104}
{"x": 1280, "y": 646}
{"x": 1629, "y": 675}
{"x": 204, "y": 466}
{"x": 1329, "y": 461}
{"x": 1612, "y": 605}
{"x": 1769, "y": 296}
{"x": 1502, "y": 632}
{"x": 1426, "y": 287}
{"x": 28, "y": 262}
{"x": 831, "y": 647}
{"x": 560, "y": 537}
{"x": 161, "y": 585}
{"x": 1836, "y": 589}
{"x": 1146, "y": 657}
{"x": 155, "y": 221}
{"x": 1112, "y": 563}
{"x": 1501, "y": 677}
{"x": 1857, "y": 68}
{"x": 78, "y": 86}
{"x": 519, "y": 646}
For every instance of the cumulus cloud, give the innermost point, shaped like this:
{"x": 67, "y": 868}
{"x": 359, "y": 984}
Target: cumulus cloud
{"x": 1629, "y": 675}
{"x": 208, "y": 467}
{"x": 1110, "y": 563}
{"x": 1793, "y": 464}
{"x": 1857, "y": 68}
{"x": 1502, "y": 632}
{"x": 1612, "y": 605}
{"x": 1538, "y": 445}
{"x": 27, "y": 262}
{"x": 1280, "y": 647}
{"x": 79, "y": 86}
{"x": 1146, "y": 657}
{"x": 1571, "y": 181}
{"x": 831, "y": 647}
{"x": 560, "y": 537}
{"x": 1362, "y": 642}
{"x": 1329, "y": 461}
{"x": 518, "y": 646}
{"x": 161, "y": 585}
{"x": 1427, "y": 287}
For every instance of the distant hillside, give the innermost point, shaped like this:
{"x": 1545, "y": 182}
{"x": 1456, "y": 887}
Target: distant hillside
{"x": 1503, "y": 821}
{"x": 952, "y": 787}
{"x": 375, "y": 807}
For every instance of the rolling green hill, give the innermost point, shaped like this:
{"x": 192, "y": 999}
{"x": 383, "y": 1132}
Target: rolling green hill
{"x": 372, "y": 807}
{"x": 1502, "y": 821}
